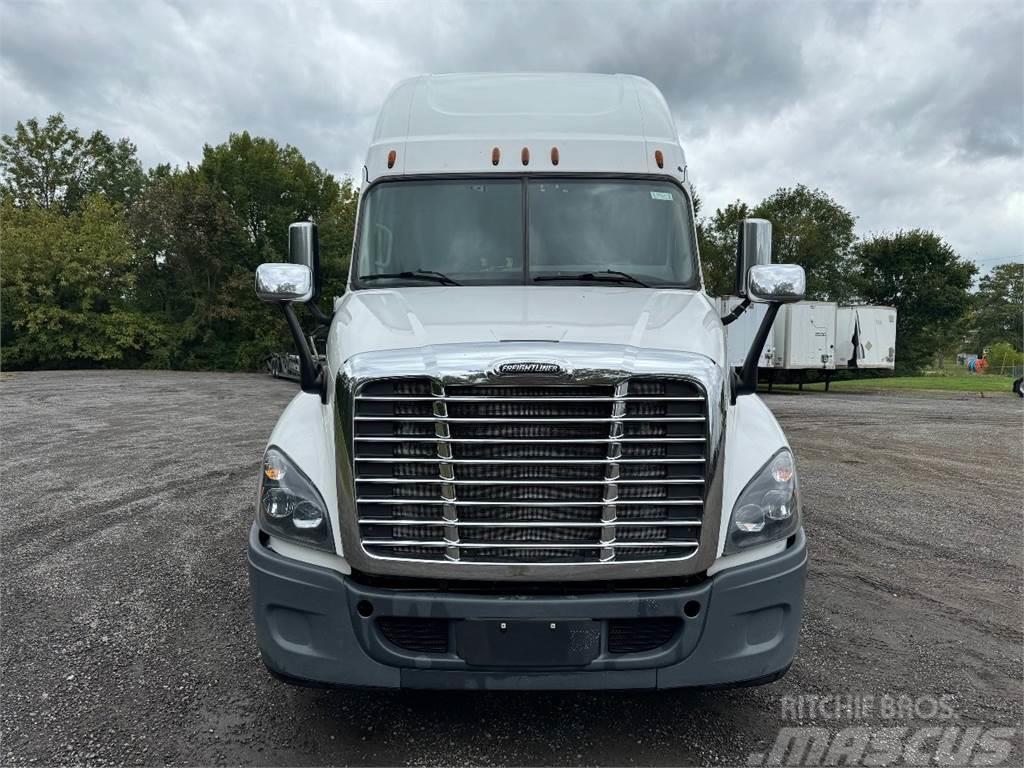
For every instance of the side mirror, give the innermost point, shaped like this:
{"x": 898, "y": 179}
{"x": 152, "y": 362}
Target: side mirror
{"x": 753, "y": 248}
{"x": 776, "y": 283}
{"x": 277, "y": 283}
{"x": 285, "y": 284}
{"x": 304, "y": 248}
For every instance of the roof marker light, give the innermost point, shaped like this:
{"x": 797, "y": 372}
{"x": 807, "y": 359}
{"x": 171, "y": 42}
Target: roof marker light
{"x": 659, "y": 158}
{"x": 495, "y": 156}
{"x": 391, "y": 158}
{"x": 526, "y": 156}
{"x": 554, "y": 155}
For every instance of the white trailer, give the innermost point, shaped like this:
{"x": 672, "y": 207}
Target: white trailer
{"x": 866, "y": 337}
{"x": 805, "y": 336}
{"x": 739, "y": 334}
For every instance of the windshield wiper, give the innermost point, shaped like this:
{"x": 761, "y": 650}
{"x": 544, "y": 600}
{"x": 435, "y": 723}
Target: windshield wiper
{"x": 419, "y": 274}
{"x": 613, "y": 276}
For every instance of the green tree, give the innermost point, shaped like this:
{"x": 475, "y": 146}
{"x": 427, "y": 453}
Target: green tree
{"x": 716, "y": 238}
{"x": 811, "y": 229}
{"x": 203, "y": 231}
{"x": 1004, "y": 359}
{"x": 999, "y": 308}
{"x": 53, "y": 165}
{"x": 924, "y": 278}
{"x": 337, "y": 230}
{"x": 114, "y": 170}
{"x": 190, "y": 243}
{"x": 68, "y": 288}
{"x": 268, "y": 186}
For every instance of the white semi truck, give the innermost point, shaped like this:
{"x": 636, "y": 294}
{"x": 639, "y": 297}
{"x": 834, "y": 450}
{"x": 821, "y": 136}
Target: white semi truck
{"x": 526, "y": 462}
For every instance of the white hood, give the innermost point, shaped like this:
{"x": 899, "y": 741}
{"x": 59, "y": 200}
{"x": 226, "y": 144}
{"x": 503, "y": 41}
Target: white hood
{"x": 402, "y": 318}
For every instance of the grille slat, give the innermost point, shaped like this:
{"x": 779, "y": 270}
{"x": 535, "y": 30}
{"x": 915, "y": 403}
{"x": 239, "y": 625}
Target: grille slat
{"x": 530, "y": 523}
{"x": 530, "y": 473}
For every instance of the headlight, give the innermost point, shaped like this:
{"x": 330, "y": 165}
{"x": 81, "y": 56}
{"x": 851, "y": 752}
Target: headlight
{"x": 289, "y": 505}
{"x": 769, "y": 507}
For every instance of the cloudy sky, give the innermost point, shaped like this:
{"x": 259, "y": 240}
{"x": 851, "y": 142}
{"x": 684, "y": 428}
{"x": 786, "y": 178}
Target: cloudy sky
{"x": 909, "y": 114}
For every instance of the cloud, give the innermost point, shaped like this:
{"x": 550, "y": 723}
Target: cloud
{"x": 910, "y": 115}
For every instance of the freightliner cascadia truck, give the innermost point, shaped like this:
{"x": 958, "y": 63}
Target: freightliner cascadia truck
{"x": 525, "y": 461}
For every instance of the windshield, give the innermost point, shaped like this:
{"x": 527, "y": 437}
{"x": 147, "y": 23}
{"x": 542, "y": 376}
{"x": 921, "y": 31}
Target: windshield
{"x": 474, "y": 232}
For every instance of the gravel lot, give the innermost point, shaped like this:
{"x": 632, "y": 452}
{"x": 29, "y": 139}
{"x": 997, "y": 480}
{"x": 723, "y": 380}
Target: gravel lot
{"x": 126, "y": 635}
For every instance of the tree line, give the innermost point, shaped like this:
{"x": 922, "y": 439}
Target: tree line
{"x": 105, "y": 264}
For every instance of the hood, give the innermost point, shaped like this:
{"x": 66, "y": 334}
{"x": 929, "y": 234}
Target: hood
{"x": 401, "y": 318}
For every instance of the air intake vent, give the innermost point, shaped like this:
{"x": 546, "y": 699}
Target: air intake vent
{"x": 415, "y": 634}
{"x": 639, "y": 635}
{"x": 488, "y": 473}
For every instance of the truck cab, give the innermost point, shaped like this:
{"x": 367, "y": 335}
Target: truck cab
{"x": 526, "y": 461}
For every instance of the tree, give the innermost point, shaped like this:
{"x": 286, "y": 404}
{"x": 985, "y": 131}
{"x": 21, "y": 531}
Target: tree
{"x": 337, "y": 230}
{"x": 203, "y": 231}
{"x": 190, "y": 243}
{"x": 268, "y": 186}
{"x": 52, "y": 165}
{"x": 811, "y": 229}
{"x": 927, "y": 282}
{"x": 68, "y": 287}
{"x": 114, "y": 170}
{"x": 717, "y": 241}
{"x": 999, "y": 308}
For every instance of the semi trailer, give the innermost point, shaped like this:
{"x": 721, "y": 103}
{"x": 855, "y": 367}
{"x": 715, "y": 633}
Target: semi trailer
{"x": 525, "y": 462}
{"x": 866, "y": 338}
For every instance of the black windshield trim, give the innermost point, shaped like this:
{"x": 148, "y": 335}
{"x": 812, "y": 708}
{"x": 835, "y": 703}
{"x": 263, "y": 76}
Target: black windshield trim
{"x": 525, "y": 179}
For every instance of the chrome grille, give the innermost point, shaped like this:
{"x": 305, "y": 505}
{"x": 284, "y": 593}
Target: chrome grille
{"x": 489, "y": 473}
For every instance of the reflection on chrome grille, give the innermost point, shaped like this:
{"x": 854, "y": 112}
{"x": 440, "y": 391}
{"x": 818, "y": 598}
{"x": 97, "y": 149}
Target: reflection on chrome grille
{"x": 491, "y": 473}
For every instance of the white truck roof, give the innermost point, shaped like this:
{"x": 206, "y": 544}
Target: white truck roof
{"x": 441, "y": 124}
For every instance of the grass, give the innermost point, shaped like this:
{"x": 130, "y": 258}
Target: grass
{"x": 942, "y": 382}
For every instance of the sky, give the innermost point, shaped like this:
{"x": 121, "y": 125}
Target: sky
{"x": 908, "y": 114}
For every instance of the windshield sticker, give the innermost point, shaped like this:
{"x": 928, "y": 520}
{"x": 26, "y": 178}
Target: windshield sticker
{"x": 661, "y": 195}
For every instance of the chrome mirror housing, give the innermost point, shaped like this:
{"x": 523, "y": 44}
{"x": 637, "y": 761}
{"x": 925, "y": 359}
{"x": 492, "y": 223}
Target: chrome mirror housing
{"x": 276, "y": 283}
{"x": 776, "y": 283}
{"x": 304, "y": 248}
{"x": 753, "y": 248}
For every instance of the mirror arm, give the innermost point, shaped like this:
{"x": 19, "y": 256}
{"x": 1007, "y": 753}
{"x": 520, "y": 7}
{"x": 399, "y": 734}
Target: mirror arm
{"x": 311, "y": 377}
{"x": 318, "y": 314}
{"x": 747, "y": 382}
{"x": 739, "y": 310}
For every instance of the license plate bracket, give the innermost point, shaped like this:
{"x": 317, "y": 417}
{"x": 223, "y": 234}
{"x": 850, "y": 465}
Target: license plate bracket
{"x": 528, "y": 643}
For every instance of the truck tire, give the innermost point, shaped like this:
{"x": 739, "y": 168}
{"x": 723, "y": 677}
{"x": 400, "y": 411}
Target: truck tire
{"x": 1018, "y": 386}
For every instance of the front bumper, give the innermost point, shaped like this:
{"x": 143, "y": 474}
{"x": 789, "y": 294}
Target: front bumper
{"x": 311, "y": 629}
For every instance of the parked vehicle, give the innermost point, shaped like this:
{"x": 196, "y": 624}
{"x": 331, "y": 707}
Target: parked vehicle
{"x": 866, "y": 338}
{"x": 286, "y": 365}
{"x": 740, "y": 334}
{"x": 526, "y": 461}
{"x": 283, "y": 365}
{"x": 805, "y": 336}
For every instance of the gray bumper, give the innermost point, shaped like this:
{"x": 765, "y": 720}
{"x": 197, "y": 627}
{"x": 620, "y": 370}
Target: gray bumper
{"x": 310, "y": 631}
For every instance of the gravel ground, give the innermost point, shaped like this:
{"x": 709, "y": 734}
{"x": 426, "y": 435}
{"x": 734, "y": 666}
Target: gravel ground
{"x": 126, "y": 635}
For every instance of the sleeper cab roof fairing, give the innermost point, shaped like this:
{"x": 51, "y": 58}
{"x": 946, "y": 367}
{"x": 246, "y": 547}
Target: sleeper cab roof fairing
{"x": 546, "y": 123}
